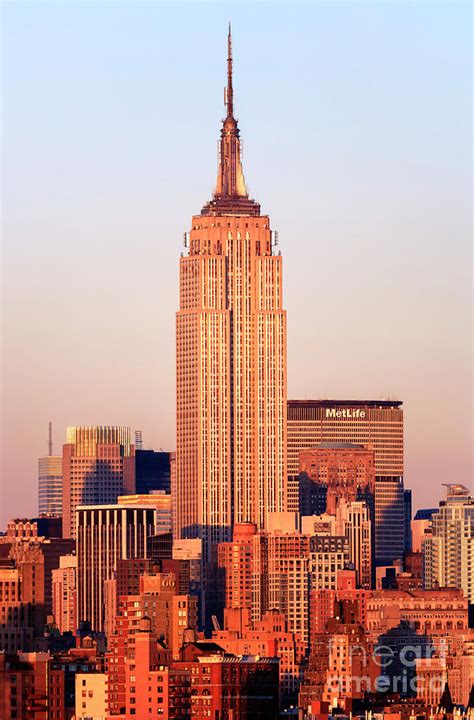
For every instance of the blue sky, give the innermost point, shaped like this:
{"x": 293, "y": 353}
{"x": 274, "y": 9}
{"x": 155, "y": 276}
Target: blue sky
{"x": 356, "y": 121}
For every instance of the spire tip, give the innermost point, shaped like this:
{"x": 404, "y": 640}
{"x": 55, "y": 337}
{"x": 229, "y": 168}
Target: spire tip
{"x": 229, "y": 92}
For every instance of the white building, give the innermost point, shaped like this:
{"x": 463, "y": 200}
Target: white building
{"x": 448, "y": 555}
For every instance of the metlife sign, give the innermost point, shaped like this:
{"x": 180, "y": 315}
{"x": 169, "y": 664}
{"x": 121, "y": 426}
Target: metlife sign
{"x": 349, "y": 413}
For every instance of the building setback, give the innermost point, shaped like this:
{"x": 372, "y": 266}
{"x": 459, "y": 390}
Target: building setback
{"x": 231, "y": 360}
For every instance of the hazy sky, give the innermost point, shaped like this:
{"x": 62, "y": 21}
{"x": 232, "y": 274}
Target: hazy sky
{"x": 356, "y": 121}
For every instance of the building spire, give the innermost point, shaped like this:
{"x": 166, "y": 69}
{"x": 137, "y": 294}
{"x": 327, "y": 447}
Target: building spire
{"x": 229, "y": 90}
{"x": 230, "y": 196}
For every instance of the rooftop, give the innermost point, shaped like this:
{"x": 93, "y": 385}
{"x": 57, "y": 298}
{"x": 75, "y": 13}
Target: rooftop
{"x": 390, "y": 403}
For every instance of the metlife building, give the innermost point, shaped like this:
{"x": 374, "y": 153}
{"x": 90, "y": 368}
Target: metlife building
{"x": 378, "y": 423}
{"x": 374, "y": 423}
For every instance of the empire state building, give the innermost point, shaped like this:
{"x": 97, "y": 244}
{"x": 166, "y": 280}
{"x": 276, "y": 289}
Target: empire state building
{"x": 230, "y": 360}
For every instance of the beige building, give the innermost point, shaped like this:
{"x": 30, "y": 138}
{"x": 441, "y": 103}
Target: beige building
{"x": 353, "y": 521}
{"x": 281, "y": 578}
{"x": 231, "y": 360}
{"x": 64, "y": 579}
{"x": 91, "y": 696}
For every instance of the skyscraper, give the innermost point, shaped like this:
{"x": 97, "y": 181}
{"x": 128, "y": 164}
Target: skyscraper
{"x": 50, "y": 474}
{"x": 448, "y": 554}
{"x": 372, "y": 423}
{"x": 145, "y": 471}
{"x": 378, "y": 423}
{"x": 92, "y": 468}
{"x": 231, "y": 359}
{"x": 354, "y": 519}
{"x": 105, "y": 535}
{"x": 389, "y": 520}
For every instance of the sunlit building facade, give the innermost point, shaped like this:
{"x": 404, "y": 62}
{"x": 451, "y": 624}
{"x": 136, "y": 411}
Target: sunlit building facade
{"x": 375, "y": 424}
{"x": 448, "y": 553}
{"x": 92, "y": 464}
{"x": 50, "y": 482}
{"x": 231, "y": 360}
{"x": 105, "y": 535}
{"x": 64, "y": 589}
{"x": 378, "y": 423}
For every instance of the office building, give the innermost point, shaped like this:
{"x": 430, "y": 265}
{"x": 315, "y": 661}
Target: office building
{"x": 146, "y": 471}
{"x": 353, "y": 520}
{"x": 335, "y": 472}
{"x": 421, "y": 526}
{"x": 329, "y": 555}
{"x": 234, "y": 560}
{"x": 340, "y": 666}
{"x": 231, "y": 360}
{"x": 429, "y": 613}
{"x": 407, "y": 504}
{"x": 92, "y": 468}
{"x": 30, "y": 687}
{"x": 106, "y": 534}
{"x": 389, "y": 520}
{"x": 64, "y": 588}
{"x": 281, "y": 565}
{"x": 50, "y": 474}
{"x": 375, "y": 423}
{"x": 157, "y": 499}
{"x": 449, "y": 552}
{"x": 228, "y": 686}
{"x": 16, "y": 614}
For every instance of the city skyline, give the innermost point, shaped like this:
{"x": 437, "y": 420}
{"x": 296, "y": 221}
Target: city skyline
{"x": 370, "y": 369}
{"x": 267, "y": 563}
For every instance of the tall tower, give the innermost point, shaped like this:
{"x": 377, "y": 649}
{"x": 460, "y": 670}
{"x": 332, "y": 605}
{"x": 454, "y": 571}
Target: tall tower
{"x": 231, "y": 359}
{"x": 50, "y": 472}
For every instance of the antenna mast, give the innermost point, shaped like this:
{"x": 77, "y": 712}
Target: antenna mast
{"x": 229, "y": 94}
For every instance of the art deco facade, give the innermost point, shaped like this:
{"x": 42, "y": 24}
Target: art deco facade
{"x": 231, "y": 360}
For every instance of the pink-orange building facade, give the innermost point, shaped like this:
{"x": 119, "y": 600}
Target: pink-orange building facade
{"x": 231, "y": 360}
{"x": 64, "y": 588}
{"x": 347, "y": 471}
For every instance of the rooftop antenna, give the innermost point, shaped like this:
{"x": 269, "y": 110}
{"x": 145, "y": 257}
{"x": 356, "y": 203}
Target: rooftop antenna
{"x": 50, "y": 438}
{"x": 229, "y": 91}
